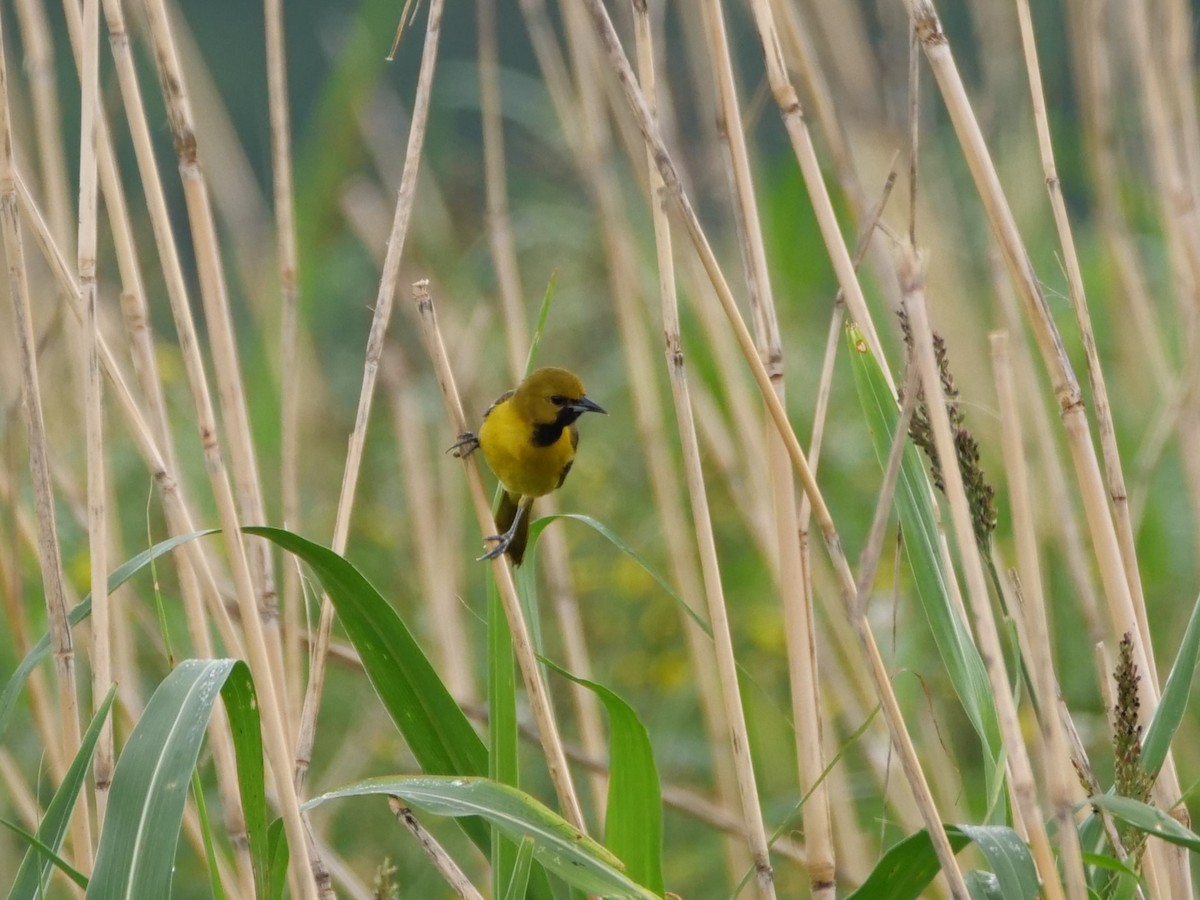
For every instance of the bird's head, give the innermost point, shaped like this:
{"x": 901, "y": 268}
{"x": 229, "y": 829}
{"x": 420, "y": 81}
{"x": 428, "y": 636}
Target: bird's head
{"x": 553, "y": 396}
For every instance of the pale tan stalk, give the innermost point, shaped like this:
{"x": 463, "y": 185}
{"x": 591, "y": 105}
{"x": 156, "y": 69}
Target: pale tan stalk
{"x": 709, "y": 565}
{"x": 442, "y": 861}
{"x": 1088, "y": 34}
{"x": 795, "y": 600}
{"x": 664, "y": 478}
{"x": 178, "y": 517}
{"x": 810, "y": 167}
{"x": 375, "y": 339}
{"x": 193, "y": 559}
{"x": 258, "y": 656}
{"x": 290, "y": 374}
{"x": 427, "y": 532}
{"x": 49, "y": 555}
{"x": 1104, "y": 420}
{"x": 1065, "y": 385}
{"x": 986, "y": 634}
{"x": 675, "y": 194}
{"x": 1058, "y": 775}
{"x": 102, "y": 628}
{"x": 223, "y": 345}
{"x": 1176, "y": 196}
{"x": 535, "y": 688}
{"x": 554, "y": 554}
{"x": 499, "y": 226}
{"x": 38, "y": 44}
{"x": 799, "y": 42}
{"x": 1058, "y": 508}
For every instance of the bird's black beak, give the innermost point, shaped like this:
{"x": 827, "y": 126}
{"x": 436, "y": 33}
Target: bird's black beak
{"x": 584, "y": 404}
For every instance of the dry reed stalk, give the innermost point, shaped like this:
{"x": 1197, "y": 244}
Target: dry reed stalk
{"x": 1058, "y": 775}
{"x": 664, "y": 477}
{"x": 499, "y": 227}
{"x": 49, "y": 555}
{"x": 428, "y": 530}
{"x": 674, "y": 192}
{"x": 986, "y": 634}
{"x": 1094, "y": 82}
{"x": 799, "y": 43}
{"x": 539, "y": 698}
{"x": 375, "y": 341}
{"x": 554, "y": 554}
{"x": 1065, "y": 385}
{"x": 442, "y": 861}
{"x": 810, "y": 167}
{"x": 102, "y": 627}
{"x": 231, "y": 394}
{"x": 1059, "y": 510}
{"x": 38, "y": 44}
{"x": 291, "y": 375}
{"x": 178, "y": 517}
{"x": 1107, "y": 431}
{"x": 795, "y": 600}
{"x": 709, "y": 565}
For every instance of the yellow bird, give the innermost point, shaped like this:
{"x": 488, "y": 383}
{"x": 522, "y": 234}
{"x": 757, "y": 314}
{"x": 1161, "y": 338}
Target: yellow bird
{"x": 528, "y": 438}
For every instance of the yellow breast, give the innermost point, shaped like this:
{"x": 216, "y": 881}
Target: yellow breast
{"x": 523, "y": 467}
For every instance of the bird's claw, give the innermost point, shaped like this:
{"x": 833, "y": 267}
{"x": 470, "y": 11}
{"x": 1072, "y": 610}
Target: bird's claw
{"x": 466, "y": 444}
{"x": 502, "y": 542}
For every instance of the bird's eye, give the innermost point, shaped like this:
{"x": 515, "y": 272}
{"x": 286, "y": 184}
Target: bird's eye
{"x": 558, "y": 400}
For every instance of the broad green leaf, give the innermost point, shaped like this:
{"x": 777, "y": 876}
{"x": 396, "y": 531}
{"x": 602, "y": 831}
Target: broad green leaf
{"x": 633, "y": 818}
{"x": 907, "y": 868}
{"x": 1169, "y": 712}
{"x": 136, "y": 855}
{"x": 1009, "y": 858}
{"x": 921, "y": 543}
{"x": 12, "y": 689}
{"x": 438, "y": 733}
{"x": 910, "y": 865}
{"x": 558, "y": 846}
{"x": 1144, "y": 817}
{"x": 31, "y": 876}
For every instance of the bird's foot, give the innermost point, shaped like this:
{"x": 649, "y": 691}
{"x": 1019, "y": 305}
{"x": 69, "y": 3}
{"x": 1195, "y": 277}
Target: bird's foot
{"x": 501, "y": 540}
{"x": 466, "y": 444}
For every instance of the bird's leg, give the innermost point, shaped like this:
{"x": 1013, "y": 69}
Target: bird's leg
{"x": 503, "y": 540}
{"x": 467, "y": 443}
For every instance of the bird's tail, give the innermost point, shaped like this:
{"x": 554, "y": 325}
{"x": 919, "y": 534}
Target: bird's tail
{"x": 504, "y": 519}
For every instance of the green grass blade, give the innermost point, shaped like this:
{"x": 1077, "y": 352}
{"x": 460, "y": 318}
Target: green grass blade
{"x": 633, "y": 818}
{"x": 278, "y": 857}
{"x": 15, "y": 684}
{"x": 136, "y": 856}
{"x": 436, "y": 730}
{"x": 519, "y": 882}
{"x": 921, "y": 544}
{"x": 46, "y": 853}
{"x": 560, "y": 847}
{"x": 503, "y": 739}
{"x": 52, "y": 829}
{"x": 241, "y": 708}
{"x": 1146, "y": 818}
{"x": 1171, "y": 707}
{"x": 909, "y": 866}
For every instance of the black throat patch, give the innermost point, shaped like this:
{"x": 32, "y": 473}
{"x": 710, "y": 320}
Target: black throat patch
{"x": 546, "y": 434}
